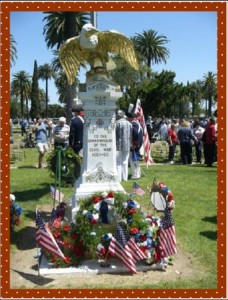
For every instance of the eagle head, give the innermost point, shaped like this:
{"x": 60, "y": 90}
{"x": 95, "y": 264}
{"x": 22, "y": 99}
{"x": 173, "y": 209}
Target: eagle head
{"x": 88, "y": 36}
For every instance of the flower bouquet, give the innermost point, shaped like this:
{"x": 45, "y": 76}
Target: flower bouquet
{"x": 15, "y": 212}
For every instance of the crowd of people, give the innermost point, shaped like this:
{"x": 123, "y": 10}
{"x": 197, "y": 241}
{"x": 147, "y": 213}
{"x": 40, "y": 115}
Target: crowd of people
{"x": 197, "y": 133}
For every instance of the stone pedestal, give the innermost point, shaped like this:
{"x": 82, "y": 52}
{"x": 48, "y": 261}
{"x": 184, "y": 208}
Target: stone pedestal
{"x": 98, "y": 171}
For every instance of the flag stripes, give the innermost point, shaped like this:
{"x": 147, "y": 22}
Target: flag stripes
{"x": 167, "y": 239}
{"x": 45, "y": 239}
{"x": 138, "y": 190}
{"x": 55, "y": 194}
{"x": 146, "y": 142}
{"x": 125, "y": 248}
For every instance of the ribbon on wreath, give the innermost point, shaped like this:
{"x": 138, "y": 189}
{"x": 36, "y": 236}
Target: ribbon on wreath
{"x": 105, "y": 200}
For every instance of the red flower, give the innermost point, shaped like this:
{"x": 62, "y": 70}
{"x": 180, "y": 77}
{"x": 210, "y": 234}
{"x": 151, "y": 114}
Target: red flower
{"x": 74, "y": 236}
{"x": 93, "y": 221}
{"x": 57, "y": 223}
{"x": 56, "y": 233}
{"x": 143, "y": 238}
{"x": 66, "y": 227}
{"x": 131, "y": 211}
{"x": 134, "y": 230}
{"x": 53, "y": 259}
{"x": 96, "y": 199}
{"x": 170, "y": 196}
{"x": 110, "y": 195}
{"x": 67, "y": 259}
{"x": 17, "y": 221}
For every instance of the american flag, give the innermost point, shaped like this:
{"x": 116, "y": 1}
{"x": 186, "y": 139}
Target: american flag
{"x": 125, "y": 248}
{"x": 45, "y": 239}
{"x": 167, "y": 238}
{"x": 146, "y": 142}
{"x": 55, "y": 194}
{"x": 138, "y": 190}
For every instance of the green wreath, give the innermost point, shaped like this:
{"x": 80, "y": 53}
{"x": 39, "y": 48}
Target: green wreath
{"x": 70, "y": 163}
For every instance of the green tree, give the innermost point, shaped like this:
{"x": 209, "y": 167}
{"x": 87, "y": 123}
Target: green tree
{"x": 195, "y": 95}
{"x": 159, "y": 94}
{"x": 46, "y": 72}
{"x": 59, "y": 27}
{"x": 35, "y": 99}
{"x": 152, "y": 48}
{"x": 13, "y": 50}
{"x": 209, "y": 89}
{"x": 20, "y": 86}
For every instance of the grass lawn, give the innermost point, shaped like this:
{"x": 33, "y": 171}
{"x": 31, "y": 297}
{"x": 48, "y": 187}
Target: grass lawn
{"x": 195, "y": 193}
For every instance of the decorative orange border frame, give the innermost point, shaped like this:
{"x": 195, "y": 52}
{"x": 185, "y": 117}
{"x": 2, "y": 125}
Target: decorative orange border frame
{"x": 6, "y": 8}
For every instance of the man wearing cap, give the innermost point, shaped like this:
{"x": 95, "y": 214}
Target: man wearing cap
{"x": 61, "y": 133}
{"x": 123, "y": 144}
{"x": 76, "y": 129}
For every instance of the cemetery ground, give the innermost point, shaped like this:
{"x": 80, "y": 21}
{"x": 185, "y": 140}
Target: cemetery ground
{"x": 195, "y": 214}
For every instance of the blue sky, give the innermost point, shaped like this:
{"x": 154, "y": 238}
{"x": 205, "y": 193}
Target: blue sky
{"x": 192, "y": 40}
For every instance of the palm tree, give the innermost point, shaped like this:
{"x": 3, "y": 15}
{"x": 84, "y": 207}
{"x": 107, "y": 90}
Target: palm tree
{"x": 59, "y": 27}
{"x": 21, "y": 86}
{"x": 151, "y": 46}
{"x": 59, "y": 23}
{"x": 46, "y": 72}
{"x": 209, "y": 88}
{"x": 13, "y": 50}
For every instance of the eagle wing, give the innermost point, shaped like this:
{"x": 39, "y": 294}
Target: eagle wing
{"x": 71, "y": 56}
{"x": 117, "y": 43}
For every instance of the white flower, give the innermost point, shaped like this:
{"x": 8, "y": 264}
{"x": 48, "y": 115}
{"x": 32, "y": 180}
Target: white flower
{"x": 93, "y": 233}
{"x": 12, "y": 197}
{"x": 96, "y": 216}
{"x": 84, "y": 212}
{"x": 109, "y": 235}
{"x": 104, "y": 194}
{"x": 99, "y": 247}
{"x": 125, "y": 204}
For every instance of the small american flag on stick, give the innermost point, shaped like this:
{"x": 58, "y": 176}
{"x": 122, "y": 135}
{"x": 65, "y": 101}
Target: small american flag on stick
{"x": 167, "y": 238}
{"x": 125, "y": 248}
{"x": 138, "y": 190}
{"x": 55, "y": 194}
{"x": 146, "y": 142}
{"x": 45, "y": 239}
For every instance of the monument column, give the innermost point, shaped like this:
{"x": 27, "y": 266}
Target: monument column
{"x": 98, "y": 172}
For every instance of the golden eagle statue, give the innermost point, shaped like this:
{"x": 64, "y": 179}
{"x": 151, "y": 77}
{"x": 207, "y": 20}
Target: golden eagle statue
{"x": 93, "y": 46}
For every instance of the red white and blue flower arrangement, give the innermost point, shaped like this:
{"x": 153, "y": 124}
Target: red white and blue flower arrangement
{"x": 89, "y": 237}
{"x": 15, "y": 212}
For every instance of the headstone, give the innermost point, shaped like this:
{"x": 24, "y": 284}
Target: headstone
{"x": 98, "y": 172}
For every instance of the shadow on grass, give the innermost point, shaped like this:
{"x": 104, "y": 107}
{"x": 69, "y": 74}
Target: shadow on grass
{"x": 32, "y": 194}
{"x": 25, "y": 238}
{"x": 27, "y": 167}
{"x": 212, "y": 219}
{"x": 212, "y": 235}
{"x": 36, "y": 279}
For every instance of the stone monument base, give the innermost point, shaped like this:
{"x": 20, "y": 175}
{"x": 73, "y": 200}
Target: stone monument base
{"x": 94, "y": 267}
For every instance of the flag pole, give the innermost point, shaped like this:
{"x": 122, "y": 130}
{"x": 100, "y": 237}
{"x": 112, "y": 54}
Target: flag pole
{"x": 37, "y": 252}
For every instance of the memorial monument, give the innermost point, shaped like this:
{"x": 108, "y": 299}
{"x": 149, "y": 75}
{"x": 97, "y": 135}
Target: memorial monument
{"x": 98, "y": 172}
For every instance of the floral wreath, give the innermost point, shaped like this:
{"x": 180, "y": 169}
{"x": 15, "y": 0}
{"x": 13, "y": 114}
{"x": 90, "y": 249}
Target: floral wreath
{"x": 86, "y": 239}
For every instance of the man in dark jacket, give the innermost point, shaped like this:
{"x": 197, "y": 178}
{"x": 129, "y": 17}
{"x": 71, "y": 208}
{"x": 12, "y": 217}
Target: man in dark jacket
{"x": 76, "y": 129}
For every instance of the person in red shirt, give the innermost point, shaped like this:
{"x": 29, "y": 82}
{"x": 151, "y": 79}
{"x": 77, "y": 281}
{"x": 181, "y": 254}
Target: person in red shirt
{"x": 172, "y": 141}
{"x": 210, "y": 141}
